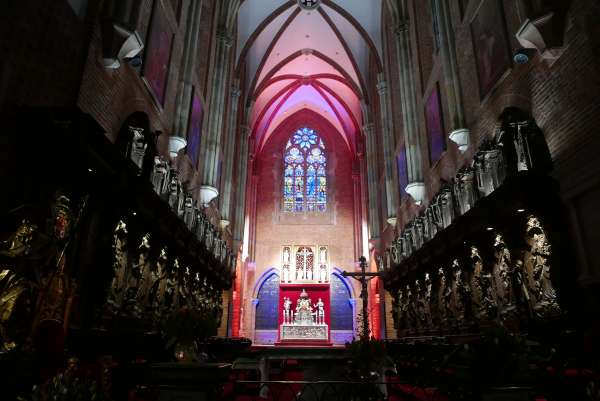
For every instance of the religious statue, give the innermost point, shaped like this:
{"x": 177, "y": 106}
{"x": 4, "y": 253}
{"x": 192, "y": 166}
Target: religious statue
{"x": 427, "y": 300}
{"x": 189, "y": 214}
{"x": 15, "y": 287}
{"x": 541, "y": 290}
{"x": 286, "y": 310}
{"x": 503, "y": 274}
{"x": 157, "y": 282}
{"x": 411, "y": 310}
{"x": 146, "y": 272}
{"x": 320, "y": 312}
{"x": 464, "y": 189}
{"x": 323, "y": 265}
{"x": 170, "y": 298}
{"x": 134, "y": 280}
{"x": 323, "y": 274}
{"x": 200, "y": 228}
{"x": 138, "y": 146}
{"x": 490, "y": 168}
{"x": 420, "y": 308}
{"x": 460, "y": 292}
{"x": 120, "y": 267}
{"x": 160, "y": 176}
{"x": 175, "y": 198}
{"x": 444, "y": 299}
{"x": 303, "y": 315}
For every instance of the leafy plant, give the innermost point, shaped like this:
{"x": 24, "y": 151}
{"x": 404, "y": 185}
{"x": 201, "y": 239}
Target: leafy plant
{"x": 67, "y": 387}
{"x": 187, "y": 325}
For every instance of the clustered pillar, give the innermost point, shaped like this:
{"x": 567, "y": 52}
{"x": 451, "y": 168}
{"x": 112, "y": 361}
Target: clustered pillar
{"x": 391, "y": 188}
{"x": 412, "y": 139}
{"x": 458, "y": 134}
{"x": 186, "y": 83}
{"x": 211, "y": 144}
{"x": 228, "y": 159}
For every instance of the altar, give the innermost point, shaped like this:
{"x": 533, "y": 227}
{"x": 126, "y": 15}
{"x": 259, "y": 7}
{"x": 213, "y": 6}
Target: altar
{"x": 304, "y": 299}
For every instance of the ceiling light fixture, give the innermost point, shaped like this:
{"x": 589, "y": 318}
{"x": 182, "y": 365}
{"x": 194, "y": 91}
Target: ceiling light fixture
{"x": 309, "y": 4}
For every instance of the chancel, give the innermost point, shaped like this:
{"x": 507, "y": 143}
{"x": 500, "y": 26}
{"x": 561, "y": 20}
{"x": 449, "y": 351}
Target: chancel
{"x": 299, "y": 200}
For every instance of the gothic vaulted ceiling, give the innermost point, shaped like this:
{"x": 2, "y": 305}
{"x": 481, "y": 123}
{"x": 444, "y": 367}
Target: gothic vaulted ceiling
{"x": 316, "y": 59}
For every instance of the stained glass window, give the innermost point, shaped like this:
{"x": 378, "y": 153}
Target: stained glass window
{"x": 305, "y": 173}
{"x": 268, "y": 302}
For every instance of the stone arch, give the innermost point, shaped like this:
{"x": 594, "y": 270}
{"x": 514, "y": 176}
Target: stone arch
{"x": 343, "y": 309}
{"x": 266, "y": 299}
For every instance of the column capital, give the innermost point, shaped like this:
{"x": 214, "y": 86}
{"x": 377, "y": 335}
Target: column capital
{"x": 368, "y": 128}
{"x": 382, "y": 87}
{"x": 245, "y": 130}
{"x": 235, "y": 93}
{"x": 224, "y": 37}
{"x": 402, "y": 27}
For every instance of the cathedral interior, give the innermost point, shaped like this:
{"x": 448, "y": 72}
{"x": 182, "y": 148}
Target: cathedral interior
{"x": 299, "y": 200}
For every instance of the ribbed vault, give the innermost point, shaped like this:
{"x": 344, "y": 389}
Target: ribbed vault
{"x": 318, "y": 60}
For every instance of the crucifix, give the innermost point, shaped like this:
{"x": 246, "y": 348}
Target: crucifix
{"x": 363, "y": 277}
{"x": 304, "y": 254}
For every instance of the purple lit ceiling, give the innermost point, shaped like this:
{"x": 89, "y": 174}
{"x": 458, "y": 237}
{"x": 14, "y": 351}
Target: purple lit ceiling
{"x": 307, "y": 60}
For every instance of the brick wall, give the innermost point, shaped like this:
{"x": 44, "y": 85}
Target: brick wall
{"x": 562, "y": 98}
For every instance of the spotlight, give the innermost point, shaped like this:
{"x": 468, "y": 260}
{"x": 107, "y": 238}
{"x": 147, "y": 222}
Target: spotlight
{"x": 520, "y": 210}
{"x": 522, "y": 56}
{"x": 490, "y": 228}
{"x": 135, "y": 61}
{"x": 90, "y": 170}
{"x": 134, "y": 213}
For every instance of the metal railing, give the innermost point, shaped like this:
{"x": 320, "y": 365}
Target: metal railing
{"x": 322, "y": 391}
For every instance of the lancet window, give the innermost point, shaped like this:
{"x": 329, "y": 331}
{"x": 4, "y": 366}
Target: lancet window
{"x": 305, "y": 173}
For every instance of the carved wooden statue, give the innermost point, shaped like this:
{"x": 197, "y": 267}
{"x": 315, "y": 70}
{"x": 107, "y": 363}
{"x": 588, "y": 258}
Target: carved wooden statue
{"x": 537, "y": 262}
{"x": 503, "y": 276}
{"x": 160, "y": 176}
{"x": 15, "y": 287}
{"x": 120, "y": 268}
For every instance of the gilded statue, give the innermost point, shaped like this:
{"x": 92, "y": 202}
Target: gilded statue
{"x": 145, "y": 268}
{"x": 157, "y": 282}
{"x": 541, "y": 291}
{"x": 503, "y": 275}
{"x": 15, "y": 287}
{"x": 460, "y": 292}
{"x": 120, "y": 268}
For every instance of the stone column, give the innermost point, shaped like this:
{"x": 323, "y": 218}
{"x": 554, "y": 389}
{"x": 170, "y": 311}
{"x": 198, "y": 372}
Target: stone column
{"x": 412, "y": 139}
{"x": 229, "y": 156}
{"x": 368, "y": 130}
{"x": 389, "y": 147}
{"x": 240, "y": 190}
{"x": 211, "y": 142}
{"x": 356, "y": 191}
{"x": 458, "y": 132}
{"x": 188, "y": 68}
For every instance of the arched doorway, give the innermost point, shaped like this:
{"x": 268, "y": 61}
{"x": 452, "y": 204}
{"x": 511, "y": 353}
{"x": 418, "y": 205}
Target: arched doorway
{"x": 342, "y": 309}
{"x": 266, "y": 315}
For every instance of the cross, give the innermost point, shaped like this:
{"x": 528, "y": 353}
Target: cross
{"x": 305, "y": 254}
{"x": 363, "y": 277}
